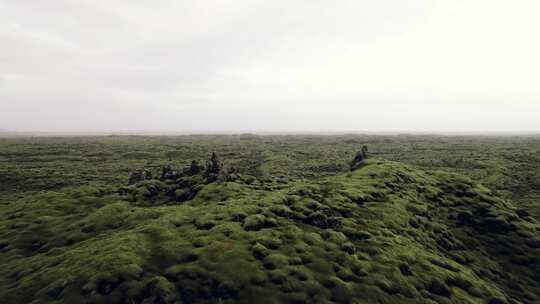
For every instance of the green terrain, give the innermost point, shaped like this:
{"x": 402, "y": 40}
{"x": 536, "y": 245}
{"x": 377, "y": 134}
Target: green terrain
{"x": 270, "y": 219}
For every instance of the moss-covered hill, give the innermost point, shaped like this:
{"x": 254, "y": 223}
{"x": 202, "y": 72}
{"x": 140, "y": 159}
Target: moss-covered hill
{"x": 385, "y": 233}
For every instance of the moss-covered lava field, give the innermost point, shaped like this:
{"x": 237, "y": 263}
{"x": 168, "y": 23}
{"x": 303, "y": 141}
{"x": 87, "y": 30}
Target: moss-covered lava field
{"x": 270, "y": 219}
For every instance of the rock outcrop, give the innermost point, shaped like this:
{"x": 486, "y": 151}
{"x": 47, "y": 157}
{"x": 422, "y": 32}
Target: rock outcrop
{"x": 139, "y": 176}
{"x": 179, "y": 185}
{"x": 358, "y": 160}
{"x": 214, "y": 168}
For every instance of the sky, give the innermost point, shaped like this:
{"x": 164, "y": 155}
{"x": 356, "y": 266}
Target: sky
{"x": 270, "y": 66}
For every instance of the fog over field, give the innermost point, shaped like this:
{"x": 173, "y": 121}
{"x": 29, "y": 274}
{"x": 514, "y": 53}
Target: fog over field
{"x": 275, "y": 66}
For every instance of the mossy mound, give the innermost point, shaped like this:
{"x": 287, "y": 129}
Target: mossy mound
{"x": 385, "y": 233}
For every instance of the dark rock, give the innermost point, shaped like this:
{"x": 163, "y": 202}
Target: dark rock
{"x": 405, "y": 270}
{"x": 318, "y": 219}
{"x": 227, "y": 290}
{"x": 496, "y": 225}
{"x": 414, "y": 223}
{"x": 522, "y": 213}
{"x": 167, "y": 173}
{"x": 186, "y": 194}
{"x": 254, "y": 222}
{"x": 438, "y": 287}
{"x": 204, "y": 224}
{"x": 106, "y": 286}
{"x": 355, "y": 234}
{"x": 278, "y": 277}
{"x": 194, "y": 168}
{"x": 533, "y": 243}
{"x": 3, "y": 245}
{"x": 139, "y": 176}
{"x": 260, "y": 251}
{"x": 214, "y": 169}
{"x": 348, "y": 247}
{"x": 464, "y": 218}
{"x": 496, "y": 301}
{"x": 238, "y": 216}
{"x": 333, "y": 223}
{"x": 358, "y": 160}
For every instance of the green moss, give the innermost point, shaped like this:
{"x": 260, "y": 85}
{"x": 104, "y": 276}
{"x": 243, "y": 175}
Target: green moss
{"x": 255, "y": 222}
{"x": 385, "y": 233}
{"x": 275, "y": 261}
{"x": 260, "y": 251}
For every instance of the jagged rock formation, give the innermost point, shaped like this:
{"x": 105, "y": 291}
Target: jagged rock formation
{"x": 139, "y": 176}
{"x": 358, "y": 160}
{"x": 194, "y": 168}
{"x": 173, "y": 185}
{"x": 167, "y": 173}
{"x": 214, "y": 169}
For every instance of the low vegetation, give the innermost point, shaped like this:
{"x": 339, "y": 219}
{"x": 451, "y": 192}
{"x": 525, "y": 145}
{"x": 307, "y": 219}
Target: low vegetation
{"x": 269, "y": 219}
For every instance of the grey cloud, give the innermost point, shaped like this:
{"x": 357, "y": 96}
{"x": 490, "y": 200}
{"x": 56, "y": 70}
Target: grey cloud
{"x": 267, "y": 65}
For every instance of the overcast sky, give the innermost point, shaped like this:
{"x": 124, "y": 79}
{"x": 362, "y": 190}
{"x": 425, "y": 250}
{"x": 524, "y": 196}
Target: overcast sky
{"x": 301, "y": 65}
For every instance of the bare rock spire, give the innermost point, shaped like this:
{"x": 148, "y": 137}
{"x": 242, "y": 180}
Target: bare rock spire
{"x": 214, "y": 169}
{"x": 358, "y": 160}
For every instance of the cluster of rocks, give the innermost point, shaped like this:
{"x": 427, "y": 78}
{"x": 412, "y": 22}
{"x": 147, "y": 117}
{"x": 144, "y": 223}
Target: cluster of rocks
{"x": 184, "y": 184}
{"x": 213, "y": 171}
{"x": 359, "y": 159}
{"x": 179, "y": 185}
{"x": 139, "y": 176}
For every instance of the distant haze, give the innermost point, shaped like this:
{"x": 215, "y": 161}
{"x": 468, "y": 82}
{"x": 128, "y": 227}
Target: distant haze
{"x": 275, "y": 66}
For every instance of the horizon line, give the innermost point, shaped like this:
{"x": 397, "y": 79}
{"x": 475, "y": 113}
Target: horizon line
{"x": 11, "y": 133}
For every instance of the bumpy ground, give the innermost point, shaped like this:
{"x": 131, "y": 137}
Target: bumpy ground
{"x": 384, "y": 233}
